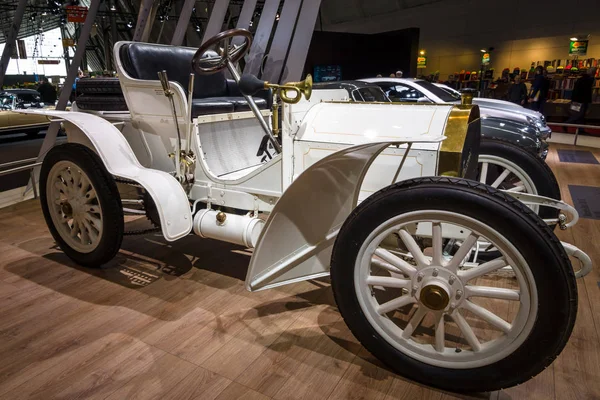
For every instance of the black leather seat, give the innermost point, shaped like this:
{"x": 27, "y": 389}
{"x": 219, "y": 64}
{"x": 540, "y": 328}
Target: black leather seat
{"x": 213, "y": 94}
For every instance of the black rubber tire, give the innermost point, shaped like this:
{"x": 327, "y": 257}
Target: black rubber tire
{"x": 537, "y": 169}
{"x": 99, "y": 86}
{"x": 101, "y": 102}
{"x": 549, "y": 264}
{"x": 108, "y": 197}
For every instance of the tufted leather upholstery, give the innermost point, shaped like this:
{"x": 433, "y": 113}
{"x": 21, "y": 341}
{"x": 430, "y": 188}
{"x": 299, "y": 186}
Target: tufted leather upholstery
{"x": 213, "y": 94}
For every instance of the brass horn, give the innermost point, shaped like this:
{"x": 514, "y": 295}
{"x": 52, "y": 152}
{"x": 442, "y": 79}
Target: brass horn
{"x": 300, "y": 88}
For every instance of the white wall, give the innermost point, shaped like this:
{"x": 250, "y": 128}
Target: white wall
{"x": 51, "y": 48}
{"x": 453, "y": 31}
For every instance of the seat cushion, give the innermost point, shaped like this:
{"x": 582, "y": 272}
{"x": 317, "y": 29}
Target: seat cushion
{"x": 240, "y": 103}
{"x": 145, "y": 60}
{"x": 212, "y": 105}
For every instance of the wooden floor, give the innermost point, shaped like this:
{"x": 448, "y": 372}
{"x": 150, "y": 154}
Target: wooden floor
{"x": 173, "y": 321}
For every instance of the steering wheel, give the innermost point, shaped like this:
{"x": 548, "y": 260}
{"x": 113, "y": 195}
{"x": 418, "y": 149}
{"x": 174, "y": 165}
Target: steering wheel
{"x": 205, "y": 64}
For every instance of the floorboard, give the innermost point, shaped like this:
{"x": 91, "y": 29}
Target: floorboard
{"x": 174, "y": 321}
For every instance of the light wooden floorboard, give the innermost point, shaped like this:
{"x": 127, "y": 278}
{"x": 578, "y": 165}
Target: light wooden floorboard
{"x": 188, "y": 329}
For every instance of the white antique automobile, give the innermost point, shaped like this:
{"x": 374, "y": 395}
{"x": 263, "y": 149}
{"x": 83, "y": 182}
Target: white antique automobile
{"x": 448, "y": 281}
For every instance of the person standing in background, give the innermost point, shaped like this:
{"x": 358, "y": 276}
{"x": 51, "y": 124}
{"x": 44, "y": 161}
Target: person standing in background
{"x": 517, "y": 92}
{"x": 539, "y": 89}
{"x": 399, "y": 74}
{"x": 47, "y": 92}
{"x": 74, "y": 88}
{"x": 581, "y": 97}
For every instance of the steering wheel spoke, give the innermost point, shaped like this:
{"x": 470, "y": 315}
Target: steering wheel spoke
{"x": 206, "y": 63}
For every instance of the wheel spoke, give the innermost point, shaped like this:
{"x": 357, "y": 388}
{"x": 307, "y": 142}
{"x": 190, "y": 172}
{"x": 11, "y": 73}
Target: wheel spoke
{"x": 96, "y": 222}
{"x": 414, "y": 248}
{"x": 466, "y": 330}
{"x": 440, "y": 334}
{"x": 396, "y": 261}
{"x": 74, "y": 228}
{"x": 91, "y": 208}
{"x": 437, "y": 245}
{"x": 90, "y": 195}
{"x": 462, "y": 252}
{"x": 61, "y": 187}
{"x": 85, "y": 184}
{"x": 484, "y": 171}
{"x": 414, "y": 322}
{"x": 85, "y": 237}
{"x": 481, "y": 270}
{"x": 384, "y": 265}
{"x": 75, "y": 175}
{"x": 501, "y": 178}
{"x": 91, "y": 231}
{"x": 517, "y": 189}
{"x": 487, "y": 316}
{"x": 395, "y": 304}
{"x": 492, "y": 292}
{"x": 387, "y": 281}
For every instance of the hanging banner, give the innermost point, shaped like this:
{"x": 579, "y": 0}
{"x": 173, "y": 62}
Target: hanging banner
{"x": 76, "y": 13}
{"x": 485, "y": 60}
{"x": 578, "y": 47}
{"x": 421, "y": 62}
{"x": 68, "y": 42}
{"x": 22, "y": 49}
{"x": 46, "y": 62}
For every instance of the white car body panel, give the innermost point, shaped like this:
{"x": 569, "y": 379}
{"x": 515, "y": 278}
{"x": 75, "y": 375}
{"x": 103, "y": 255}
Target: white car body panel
{"x": 311, "y": 214}
{"x": 118, "y": 157}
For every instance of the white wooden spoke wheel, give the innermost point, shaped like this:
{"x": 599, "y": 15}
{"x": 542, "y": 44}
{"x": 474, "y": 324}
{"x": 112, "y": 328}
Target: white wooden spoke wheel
{"x": 430, "y": 309}
{"x": 74, "y": 208}
{"x": 414, "y": 286}
{"x": 81, "y": 204}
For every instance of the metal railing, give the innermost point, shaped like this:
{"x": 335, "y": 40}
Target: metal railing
{"x": 577, "y": 127}
{"x": 32, "y": 164}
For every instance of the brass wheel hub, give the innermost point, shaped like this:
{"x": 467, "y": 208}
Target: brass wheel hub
{"x": 66, "y": 209}
{"x": 434, "y": 297}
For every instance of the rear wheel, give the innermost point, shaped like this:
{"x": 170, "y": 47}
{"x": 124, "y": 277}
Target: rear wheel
{"x": 431, "y": 314}
{"x": 504, "y": 165}
{"x": 81, "y": 204}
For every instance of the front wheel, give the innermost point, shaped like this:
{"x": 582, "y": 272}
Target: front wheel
{"x": 432, "y": 313}
{"x": 81, "y": 204}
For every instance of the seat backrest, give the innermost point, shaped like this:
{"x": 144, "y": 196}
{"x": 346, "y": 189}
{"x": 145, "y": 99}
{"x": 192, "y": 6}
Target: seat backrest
{"x": 145, "y": 60}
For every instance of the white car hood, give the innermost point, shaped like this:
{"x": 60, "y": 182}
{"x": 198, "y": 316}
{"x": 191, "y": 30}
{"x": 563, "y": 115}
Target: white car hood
{"x": 506, "y": 106}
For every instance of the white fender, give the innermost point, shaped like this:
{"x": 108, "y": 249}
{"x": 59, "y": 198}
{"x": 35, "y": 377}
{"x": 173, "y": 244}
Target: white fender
{"x": 297, "y": 240}
{"x": 171, "y": 201}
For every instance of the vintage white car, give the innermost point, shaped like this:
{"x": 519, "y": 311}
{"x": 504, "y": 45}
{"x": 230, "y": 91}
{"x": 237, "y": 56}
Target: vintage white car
{"x": 419, "y": 90}
{"x": 448, "y": 281}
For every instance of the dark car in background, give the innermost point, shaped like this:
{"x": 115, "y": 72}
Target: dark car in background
{"x": 11, "y": 121}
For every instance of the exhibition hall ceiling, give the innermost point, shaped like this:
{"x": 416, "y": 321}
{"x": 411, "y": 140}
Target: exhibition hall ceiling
{"x": 339, "y": 11}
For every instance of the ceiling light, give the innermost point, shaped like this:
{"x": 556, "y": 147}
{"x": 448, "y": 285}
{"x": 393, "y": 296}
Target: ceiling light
{"x": 573, "y": 38}
{"x": 483, "y": 50}
{"x": 113, "y": 8}
{"x": 422, "y": 52}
